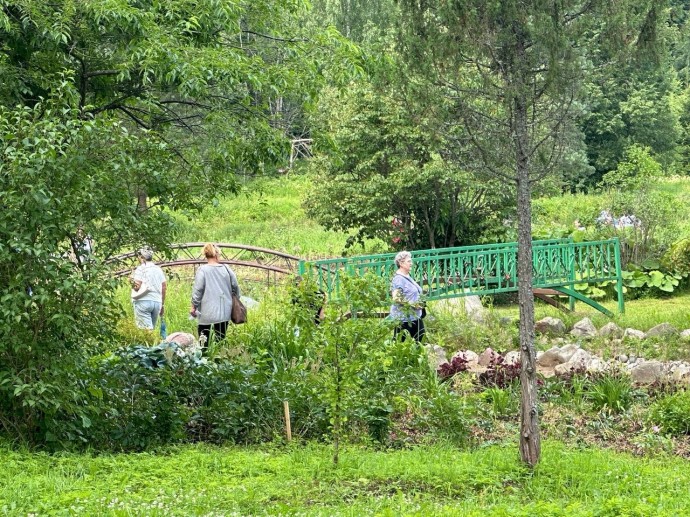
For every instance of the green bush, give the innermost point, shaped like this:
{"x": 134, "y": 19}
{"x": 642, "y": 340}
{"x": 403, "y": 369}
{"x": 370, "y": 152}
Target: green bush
{"x": 141, "y": 397}
{"x": 437, "y": 411}
{"x": 677, "y": 257}
{"x": 347, "y": 378}
{"x": 671, "y": 413}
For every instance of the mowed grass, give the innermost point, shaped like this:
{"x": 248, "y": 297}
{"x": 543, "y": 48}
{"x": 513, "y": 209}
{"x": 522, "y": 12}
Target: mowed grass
{"x": 641, "y": 314}
{"x": 302, "y": 480}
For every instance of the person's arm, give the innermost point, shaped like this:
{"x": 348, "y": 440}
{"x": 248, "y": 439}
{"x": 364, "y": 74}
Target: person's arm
{"x": 197, "y": 291}
{"x": 137, "y": 279}
{"x": 234, "y": 285}
{"x": 164, "y": 288}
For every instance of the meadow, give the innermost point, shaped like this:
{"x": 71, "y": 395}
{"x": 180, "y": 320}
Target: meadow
{"x": 268, "y": 213}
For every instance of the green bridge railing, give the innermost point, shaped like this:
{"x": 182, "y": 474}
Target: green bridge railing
{"x": 558, "y": 264}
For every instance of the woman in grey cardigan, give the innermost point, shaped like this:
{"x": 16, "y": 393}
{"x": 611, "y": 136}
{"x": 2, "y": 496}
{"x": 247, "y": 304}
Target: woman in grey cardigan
{"x": 214, "y": 286}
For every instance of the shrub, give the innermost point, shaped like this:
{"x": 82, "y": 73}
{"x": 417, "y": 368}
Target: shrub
{"x": 672, "y": 413}
{"x": 677, "y": 257}
{"x": 572, "y": 387}
{"x": 440, "y": 412}
{"x": 457, "y": 364}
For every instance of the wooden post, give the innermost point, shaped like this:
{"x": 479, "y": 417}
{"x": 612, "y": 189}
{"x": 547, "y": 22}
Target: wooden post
{"x": 288, "y": 429}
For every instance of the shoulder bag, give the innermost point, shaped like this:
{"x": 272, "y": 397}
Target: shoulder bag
{"x": 238, "y": 311}
{"x": 144, "y": 287}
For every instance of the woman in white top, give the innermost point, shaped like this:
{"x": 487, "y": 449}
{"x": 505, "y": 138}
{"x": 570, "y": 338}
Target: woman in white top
{"x": 149, "y": 305}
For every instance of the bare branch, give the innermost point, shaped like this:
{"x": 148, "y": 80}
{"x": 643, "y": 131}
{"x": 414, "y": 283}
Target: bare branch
{"x": 131, "y": 115}
{"x": 284, "y": 40}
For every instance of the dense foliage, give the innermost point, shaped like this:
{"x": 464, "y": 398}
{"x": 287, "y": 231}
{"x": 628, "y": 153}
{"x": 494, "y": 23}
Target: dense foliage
{"x": 390, "y": 176}
{"x": 111, "y": 115}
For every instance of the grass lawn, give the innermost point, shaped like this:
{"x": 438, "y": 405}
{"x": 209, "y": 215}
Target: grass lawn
{"x": 641, "y": 314}
{"x": 301, "y": 480}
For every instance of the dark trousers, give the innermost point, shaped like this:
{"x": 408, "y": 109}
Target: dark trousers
{"x": 413, "y": 328}
{"x": 219, "y": 330}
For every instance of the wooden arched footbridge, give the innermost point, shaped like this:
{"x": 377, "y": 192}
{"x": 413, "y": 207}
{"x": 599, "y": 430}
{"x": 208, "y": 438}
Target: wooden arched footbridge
{"x": 558, "y": 265}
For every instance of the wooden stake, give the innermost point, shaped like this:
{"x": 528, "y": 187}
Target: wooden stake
{"x": 288, "y": 429}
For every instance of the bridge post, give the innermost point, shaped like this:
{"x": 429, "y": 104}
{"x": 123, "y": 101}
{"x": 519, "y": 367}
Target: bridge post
{"x": 619, "y": 274}
{"x": 571, "y": 268}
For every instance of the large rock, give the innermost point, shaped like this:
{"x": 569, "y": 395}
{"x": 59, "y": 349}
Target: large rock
{"x": 611, "y": 330}
{"x": 474, "y": 309}
{"x": 487, "y": 357}
{"x": 685, "y": 335}
{"x": 679, "y": 372}
{"x": 436, "y": 355}
{"x": 550, "y": 358}
{"x": 647, "y": 372}
{"x": 633, "y": 334}
{"x": 584, "y": 329}
{"x": 471, "y": 357}
{"x": 183, "y": 339}
{"x": 597, "y": 365}
{"x": 581, "y": 357}
{"x": 550, "y": 326}
{"x": 567, "y": 352}
{"x": 453, "y": 305}
{"x": 512, "y": 357}
{"x": 662, "y": 330}
{"x": 579, "y": 362}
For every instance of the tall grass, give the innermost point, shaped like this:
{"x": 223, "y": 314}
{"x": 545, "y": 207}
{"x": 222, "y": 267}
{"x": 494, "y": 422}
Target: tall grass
{"x": 268, "y": 213}
{"x": 268, "y": 305}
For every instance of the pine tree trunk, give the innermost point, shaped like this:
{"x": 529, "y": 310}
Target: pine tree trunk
{"x": 530, "y": 444}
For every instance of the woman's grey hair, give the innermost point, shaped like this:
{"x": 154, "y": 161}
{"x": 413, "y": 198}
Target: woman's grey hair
{"x": 146, "y": 254}
{"x": 403, "y": 255}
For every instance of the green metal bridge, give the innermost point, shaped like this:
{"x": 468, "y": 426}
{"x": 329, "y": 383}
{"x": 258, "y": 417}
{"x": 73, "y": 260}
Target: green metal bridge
{"x": 558, "y": 264}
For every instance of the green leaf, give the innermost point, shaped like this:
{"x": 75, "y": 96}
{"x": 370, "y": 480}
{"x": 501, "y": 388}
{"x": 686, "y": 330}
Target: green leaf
{"x": 651, "y": 263}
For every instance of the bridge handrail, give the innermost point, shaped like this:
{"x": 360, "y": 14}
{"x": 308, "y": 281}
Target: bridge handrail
{"x": 131, "y": 254}
{"x": 443, "y": 251}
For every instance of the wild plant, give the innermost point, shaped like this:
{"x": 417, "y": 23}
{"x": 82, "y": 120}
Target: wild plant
{"x": 457, "y": 364}
{"x": 671, "y": 413}
{"x": 612, "y": 392}
{"x": 500, "y": 400}
{"x": 499, "y": 373}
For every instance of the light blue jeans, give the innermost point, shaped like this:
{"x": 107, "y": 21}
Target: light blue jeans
{"x": 146, "y": 313}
